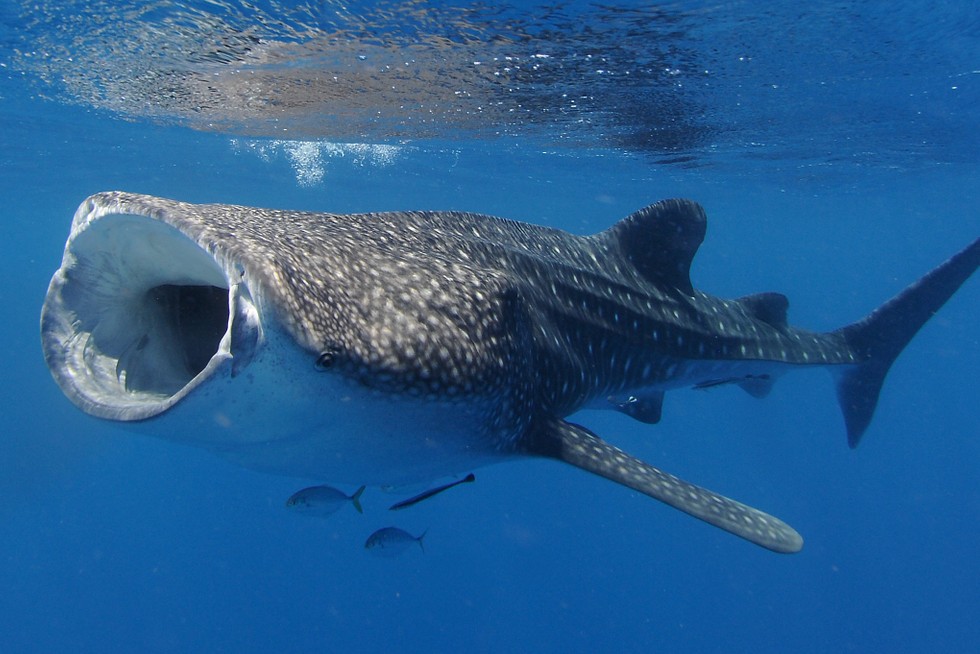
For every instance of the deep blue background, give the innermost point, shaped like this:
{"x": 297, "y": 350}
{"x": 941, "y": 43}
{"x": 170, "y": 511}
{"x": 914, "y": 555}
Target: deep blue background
{"x": 115, "y": 542}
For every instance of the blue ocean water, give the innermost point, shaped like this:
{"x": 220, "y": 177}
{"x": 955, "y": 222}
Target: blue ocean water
{"x": 835, "y": 149}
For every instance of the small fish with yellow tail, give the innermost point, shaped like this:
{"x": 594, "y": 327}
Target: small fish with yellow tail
{"x": 389, "y": 542}
{"x": 323, "y": 500}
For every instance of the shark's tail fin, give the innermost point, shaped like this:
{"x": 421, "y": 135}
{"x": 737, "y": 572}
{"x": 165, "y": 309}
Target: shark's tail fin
{"x": 878, "y": 339}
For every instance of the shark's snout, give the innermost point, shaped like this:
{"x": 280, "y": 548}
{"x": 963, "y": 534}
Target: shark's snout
{"x": 139, "y": 314}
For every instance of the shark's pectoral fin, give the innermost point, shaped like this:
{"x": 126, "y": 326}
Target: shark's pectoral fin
{"x": 578, "y": 446}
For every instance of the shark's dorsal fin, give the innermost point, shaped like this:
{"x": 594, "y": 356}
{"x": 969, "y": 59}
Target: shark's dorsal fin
{"x": 578, "y": 446}
{"x": 660, "y": 241}
{"x": 770, "y": 308}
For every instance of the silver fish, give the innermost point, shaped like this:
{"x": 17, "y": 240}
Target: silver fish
{"x": 323, "y": 500}
{"x": 389, "y": 542}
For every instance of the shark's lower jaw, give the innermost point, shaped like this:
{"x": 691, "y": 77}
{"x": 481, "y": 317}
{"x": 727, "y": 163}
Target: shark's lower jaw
{"x": 139, "y": 315}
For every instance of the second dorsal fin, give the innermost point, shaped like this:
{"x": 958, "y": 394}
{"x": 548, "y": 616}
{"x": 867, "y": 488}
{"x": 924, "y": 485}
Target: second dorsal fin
{"x": 770, "y": 308}
{"x": 660, "y": 241}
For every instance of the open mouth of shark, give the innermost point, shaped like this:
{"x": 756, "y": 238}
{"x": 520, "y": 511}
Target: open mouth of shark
{"x": 138, "y": 316}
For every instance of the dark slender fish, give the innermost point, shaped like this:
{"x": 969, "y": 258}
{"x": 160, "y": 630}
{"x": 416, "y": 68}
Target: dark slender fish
{"x": 404, "y": 504}
{"x": 389, "y": 542}
{"x": 711, "y": 383}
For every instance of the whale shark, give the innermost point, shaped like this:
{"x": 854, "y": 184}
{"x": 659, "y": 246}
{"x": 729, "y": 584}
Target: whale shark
{"x": 398, "y": 347}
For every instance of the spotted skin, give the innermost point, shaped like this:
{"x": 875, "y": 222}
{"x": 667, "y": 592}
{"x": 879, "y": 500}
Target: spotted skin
{"x": 447, "y": 304}
{"x": 517, "y": 326}
{"x": 577, "y": 445}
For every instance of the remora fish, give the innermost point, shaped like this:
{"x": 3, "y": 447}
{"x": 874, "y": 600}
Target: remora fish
{"x": 404, "y": 504}
{"x": 397, "y": 347}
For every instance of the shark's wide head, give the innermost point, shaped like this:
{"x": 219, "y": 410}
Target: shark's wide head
{"x": 398, "y": 347}
{"x": 276, "y": 339}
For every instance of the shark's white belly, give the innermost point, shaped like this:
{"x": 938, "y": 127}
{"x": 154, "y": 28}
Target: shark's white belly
{"x": 282, "y": 415}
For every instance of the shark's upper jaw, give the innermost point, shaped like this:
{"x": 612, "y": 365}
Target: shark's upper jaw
{"x": 139, "y": 315}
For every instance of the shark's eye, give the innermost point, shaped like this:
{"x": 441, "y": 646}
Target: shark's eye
{"x": 327, "y": 358}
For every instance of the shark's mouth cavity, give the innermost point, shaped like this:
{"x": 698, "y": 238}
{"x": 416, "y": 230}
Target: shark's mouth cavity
{"x": 138, "y": 315}
{"x": 187, "y": 322}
